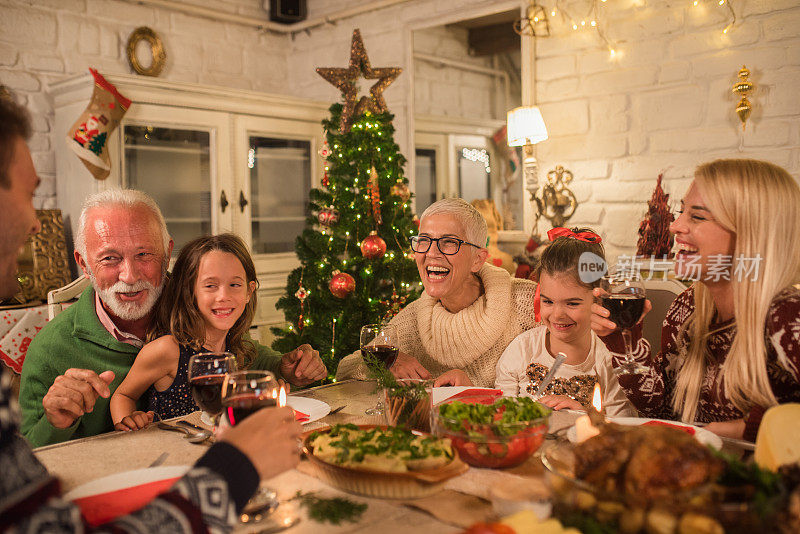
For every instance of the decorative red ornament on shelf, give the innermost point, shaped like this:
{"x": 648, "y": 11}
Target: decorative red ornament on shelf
{"x": 373, "y": 246}
{"x": 328, "y": 216}
{"x": 342, "y": 284}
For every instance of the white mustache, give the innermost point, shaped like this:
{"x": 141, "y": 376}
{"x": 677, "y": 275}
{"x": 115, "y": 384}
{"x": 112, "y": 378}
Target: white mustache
{"x": 122, "y": 287}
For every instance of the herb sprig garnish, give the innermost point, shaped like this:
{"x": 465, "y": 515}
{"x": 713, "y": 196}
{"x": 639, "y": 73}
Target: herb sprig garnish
{"x": 334, "y": 510}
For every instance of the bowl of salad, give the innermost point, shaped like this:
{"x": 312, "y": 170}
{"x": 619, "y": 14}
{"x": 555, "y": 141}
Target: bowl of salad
{"x": 492, "y": 432}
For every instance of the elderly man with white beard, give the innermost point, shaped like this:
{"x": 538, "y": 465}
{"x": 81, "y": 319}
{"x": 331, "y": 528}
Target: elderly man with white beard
{"x": 76, "y": 362}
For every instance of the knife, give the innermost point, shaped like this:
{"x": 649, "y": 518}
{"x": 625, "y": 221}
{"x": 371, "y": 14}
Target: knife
{"x": 549, "y": 376}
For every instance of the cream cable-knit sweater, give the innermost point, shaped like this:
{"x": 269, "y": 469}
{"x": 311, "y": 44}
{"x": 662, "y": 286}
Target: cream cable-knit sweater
{"x": 471, "y": 340}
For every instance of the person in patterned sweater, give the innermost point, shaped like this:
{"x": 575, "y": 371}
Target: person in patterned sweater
{"x": 730, "y": 344}
{"x": 207, "y": 499}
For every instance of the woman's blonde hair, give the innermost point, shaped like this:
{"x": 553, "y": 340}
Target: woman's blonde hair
{"x": 178, "y": 313}
{"x": 760, "y": 203}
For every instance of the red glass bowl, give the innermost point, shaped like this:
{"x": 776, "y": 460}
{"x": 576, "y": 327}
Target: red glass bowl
{"x": 493, "y": 445}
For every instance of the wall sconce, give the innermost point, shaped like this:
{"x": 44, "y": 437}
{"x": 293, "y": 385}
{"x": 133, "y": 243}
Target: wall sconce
{"x": 558, "y": 202}
{"x": 525, "y": 128}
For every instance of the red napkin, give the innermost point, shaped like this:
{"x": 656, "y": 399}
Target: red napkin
{"x": 689, "y": 430}
{"x": 300, "y": 417}
{"x": 491, "y": 393}
{"x": 101, "y": 508}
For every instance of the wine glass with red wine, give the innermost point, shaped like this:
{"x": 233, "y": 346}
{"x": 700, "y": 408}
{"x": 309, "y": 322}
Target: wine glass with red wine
{"x": 624, "y": 297}
{"x": 379, "y": 345}
{"x": 246, "y": 392}
{"x": 243, "y": 394}
{"x": 207, "y": 371}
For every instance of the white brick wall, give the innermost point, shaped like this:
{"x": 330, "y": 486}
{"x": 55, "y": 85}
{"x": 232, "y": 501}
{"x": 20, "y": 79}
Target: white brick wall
{"x": 664, "y": 103}
{"x": 447, "y": 90}
{"x": 43, "y": 40}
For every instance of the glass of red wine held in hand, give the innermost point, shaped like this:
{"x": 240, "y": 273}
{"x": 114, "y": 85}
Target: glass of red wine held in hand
{"x": 624, "y": 297}
{"x": 243, "y": 394}
{"x": 246, "y": 392}
{"x": 379, "y": 345}
{"x": 207, "y": 371}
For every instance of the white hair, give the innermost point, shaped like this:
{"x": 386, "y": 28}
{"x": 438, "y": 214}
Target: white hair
{"x": 471, "y": 220}
{"x": 128, "y": 198}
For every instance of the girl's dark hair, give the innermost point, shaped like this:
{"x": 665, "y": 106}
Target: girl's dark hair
{"x": 562, "y": 256}
{"x": 178, "y": 313}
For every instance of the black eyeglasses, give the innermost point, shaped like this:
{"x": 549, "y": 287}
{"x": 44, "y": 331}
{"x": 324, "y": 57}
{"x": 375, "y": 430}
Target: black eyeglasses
{"x": 446, "y": 245}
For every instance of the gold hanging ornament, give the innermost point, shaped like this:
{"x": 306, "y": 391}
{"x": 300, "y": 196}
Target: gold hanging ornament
{"x": 743, "y": 87}
{"x": 345, "y": 80}
{"x": 375, "y": 194}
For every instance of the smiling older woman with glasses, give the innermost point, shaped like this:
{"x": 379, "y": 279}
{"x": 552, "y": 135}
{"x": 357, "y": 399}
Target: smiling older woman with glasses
{"x": 470, "y": 311}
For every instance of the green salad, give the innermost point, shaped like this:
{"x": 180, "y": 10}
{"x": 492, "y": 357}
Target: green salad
{"x": 503, "y": 417}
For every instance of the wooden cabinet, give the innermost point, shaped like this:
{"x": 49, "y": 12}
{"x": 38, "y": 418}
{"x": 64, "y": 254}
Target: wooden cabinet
{"x": 215, "y": 160}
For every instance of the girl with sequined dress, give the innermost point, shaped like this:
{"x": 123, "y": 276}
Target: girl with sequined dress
{"x": 564, "y": 305}
{"x": 212, "y": 291}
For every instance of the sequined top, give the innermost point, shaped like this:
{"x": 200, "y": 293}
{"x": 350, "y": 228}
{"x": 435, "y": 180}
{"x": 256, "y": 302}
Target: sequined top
{"x": 526, "y": 361}
{"x": 578, "y": 387}
{"x": 176, "y": 400}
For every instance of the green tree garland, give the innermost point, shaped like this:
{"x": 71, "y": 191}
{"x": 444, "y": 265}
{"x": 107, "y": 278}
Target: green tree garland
{"x": 331, "y": 324}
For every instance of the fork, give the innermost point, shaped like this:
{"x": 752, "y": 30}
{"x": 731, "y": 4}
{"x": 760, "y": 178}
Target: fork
{"x": 337, "y": 410}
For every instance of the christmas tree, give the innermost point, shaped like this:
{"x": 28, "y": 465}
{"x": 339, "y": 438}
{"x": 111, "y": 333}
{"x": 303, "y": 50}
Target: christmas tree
{"x": 655, "y": 238}
{"x": 356, "y": 262}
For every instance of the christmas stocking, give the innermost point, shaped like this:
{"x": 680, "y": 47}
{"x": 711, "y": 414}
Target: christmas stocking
{"x": 88, "y": 136}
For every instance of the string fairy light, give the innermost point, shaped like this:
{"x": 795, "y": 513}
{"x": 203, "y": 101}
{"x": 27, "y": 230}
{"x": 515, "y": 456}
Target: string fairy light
{"x": 726, "y": 4}
{"x": 591, "y": 19}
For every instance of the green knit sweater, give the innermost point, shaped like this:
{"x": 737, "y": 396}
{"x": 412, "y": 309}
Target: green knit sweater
{"x": 77, "y": 339}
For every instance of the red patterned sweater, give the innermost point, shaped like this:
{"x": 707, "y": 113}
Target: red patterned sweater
{"x": 651, "y": 392}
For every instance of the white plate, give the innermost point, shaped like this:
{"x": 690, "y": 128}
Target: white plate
{"x": 315, "y": 409}
{"x": 700, "y": 434}
{"x": 127, "y": 479}
{"x": 445, "y": 392}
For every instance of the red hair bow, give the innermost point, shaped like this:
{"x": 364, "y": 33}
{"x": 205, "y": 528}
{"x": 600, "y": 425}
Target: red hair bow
{"x": 589, "y": 237}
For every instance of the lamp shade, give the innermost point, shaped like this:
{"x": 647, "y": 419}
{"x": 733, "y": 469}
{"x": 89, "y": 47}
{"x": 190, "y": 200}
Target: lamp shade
{"x": 525, "y": 126}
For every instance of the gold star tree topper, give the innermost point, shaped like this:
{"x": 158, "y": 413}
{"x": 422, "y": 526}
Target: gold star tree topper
{"x": 345, "y": 80}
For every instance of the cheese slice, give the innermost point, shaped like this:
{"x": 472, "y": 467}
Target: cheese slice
{"x": 526, "y": 522}
{"x": 778, "y": 440}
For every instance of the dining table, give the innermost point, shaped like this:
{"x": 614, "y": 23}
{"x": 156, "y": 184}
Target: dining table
{"x": 464, "y": 500}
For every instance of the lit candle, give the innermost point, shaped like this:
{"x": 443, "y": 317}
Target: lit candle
{"x": 584, "y": 425}
{"x": 282, "y": 397}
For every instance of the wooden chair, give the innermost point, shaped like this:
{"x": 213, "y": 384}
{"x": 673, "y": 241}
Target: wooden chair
{"x": 57, "y": 298}
{"x": 661, "y": 293}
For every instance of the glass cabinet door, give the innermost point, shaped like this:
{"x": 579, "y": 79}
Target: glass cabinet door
{"x": 280, "y": 180}
{"x": 425, "y": 167}
{"x": 474, "y": 173}
{"x": 172, "y": 165}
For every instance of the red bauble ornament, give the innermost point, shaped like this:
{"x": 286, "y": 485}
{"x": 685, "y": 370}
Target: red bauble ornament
{"x": 328, "y": 216}
{"x": 342, "y": 284}
{"x": 373, "y": 246}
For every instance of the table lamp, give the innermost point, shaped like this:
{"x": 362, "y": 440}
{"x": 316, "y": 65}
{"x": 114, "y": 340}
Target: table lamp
{"x": 525, "y": 128}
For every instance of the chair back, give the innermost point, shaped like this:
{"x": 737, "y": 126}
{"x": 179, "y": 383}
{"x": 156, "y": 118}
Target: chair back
{"x": 661, "y": 293}
{"x": 60, "y": 298}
